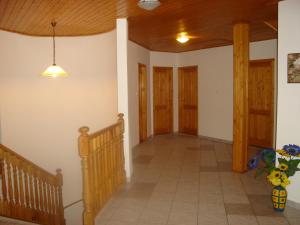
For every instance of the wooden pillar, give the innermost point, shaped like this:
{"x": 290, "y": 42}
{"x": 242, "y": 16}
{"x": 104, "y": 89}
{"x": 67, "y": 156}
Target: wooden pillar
{"x": 240, "y": 96}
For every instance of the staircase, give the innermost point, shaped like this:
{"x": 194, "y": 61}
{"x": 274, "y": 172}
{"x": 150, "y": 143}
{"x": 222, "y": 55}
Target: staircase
{"x": 28, "y": 192}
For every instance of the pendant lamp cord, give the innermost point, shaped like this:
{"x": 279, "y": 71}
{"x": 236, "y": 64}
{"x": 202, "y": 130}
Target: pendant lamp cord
{"x": 53, "y": 38}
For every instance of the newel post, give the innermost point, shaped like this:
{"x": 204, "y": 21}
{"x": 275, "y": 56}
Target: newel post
{"x": 83, "y": 142}
{"x": 121, "y": 120}
{"x": 59, "y": 182}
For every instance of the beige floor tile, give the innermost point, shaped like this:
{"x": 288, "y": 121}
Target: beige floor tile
{"x": 211, "y": 219}
{"x": 241, "y": 220}
{"x": 116, "y": 222}
{"x": 236, "y": 198}
{"x": 292, "y": 212}
{"x": 180, "y": 218}
{"x": 184, "y": 180}
{"x": 186, "y": 196}
{"x": 210, "y": 198}
{"x": 156, "y": 216}
{"x": 293, "y": 221}
{"x": 181, "y": 207}
{"x": 211, "y": 208}
{"x": 264, "y": 220}
{"x": 126, "y": 215}
{"x": 239, "y": 209}
{"x": 162, "y": 196}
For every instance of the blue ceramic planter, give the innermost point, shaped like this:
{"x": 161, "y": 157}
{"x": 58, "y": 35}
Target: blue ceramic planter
{"x": 279, "y": 196}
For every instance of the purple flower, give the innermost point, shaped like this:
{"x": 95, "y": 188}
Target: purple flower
{"x": 253, "y": 162}
{"x": 293, "y": 150}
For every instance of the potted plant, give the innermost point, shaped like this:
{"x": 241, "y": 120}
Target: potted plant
{"x": 277, "y": 173}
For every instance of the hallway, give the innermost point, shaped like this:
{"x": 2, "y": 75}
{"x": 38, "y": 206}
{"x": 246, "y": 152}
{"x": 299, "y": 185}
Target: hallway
{"x": 185, "y": 180}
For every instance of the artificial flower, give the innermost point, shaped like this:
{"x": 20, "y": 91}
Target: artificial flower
{"x": 283, "y": 167}
{"x": 284, "y": 180}
{"x": 282, "y": 152}
{"x": 274, "y": 178}
{"x": 253, "y": 162}
{"x": 268, "y": 155}
{"x": 292, "y": 150}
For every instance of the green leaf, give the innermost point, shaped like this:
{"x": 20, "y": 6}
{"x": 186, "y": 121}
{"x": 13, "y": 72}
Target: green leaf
{"x": 294, "y": 163}
{"x": 284, "y": 161}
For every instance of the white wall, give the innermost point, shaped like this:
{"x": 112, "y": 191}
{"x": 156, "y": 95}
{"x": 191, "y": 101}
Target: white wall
{"x": 215, "y": 88}
{"x": 165, "y": 59}
{"x": 288, "y": 122}
{"x": 40, "y": 116}
{"x": 215, "y": 68}
{"x": 136, "y": 55}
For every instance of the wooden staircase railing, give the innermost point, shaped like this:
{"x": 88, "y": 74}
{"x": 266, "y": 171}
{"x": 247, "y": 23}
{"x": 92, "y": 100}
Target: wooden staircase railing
{"x": 102, "y": 159}
{"x": 28, "y": 192}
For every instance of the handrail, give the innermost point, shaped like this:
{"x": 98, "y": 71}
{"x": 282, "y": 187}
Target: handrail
{"x": 28, "y": 192}
{"x": 102, "y": 160}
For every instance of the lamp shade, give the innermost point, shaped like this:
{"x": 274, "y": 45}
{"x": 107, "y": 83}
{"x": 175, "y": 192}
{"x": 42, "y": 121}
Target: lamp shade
{"x": 54, "y": 71}
{"x": 148, "y": 4}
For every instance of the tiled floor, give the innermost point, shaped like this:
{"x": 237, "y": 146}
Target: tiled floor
{"x": 184, "y": 180}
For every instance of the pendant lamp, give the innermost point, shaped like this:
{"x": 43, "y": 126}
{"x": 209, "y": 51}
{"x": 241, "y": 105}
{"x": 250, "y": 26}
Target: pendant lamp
{"x": 54, "y": 70}
{"x": 148, "y": 4}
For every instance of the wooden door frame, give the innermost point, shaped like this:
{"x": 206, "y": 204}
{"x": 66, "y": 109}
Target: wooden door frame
{"x": 272, "y": 61}
{"x": 140, "y": 65}
{"x": 172, "y": 107}
{"x": 194, "y": 66}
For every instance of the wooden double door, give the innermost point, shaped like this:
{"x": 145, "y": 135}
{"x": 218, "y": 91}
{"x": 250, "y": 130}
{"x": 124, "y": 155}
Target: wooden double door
{"x": 187, "y": 100}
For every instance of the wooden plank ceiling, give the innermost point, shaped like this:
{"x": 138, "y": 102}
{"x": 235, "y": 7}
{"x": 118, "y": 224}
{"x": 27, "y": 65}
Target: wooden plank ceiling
{"x": 209, "y": 22}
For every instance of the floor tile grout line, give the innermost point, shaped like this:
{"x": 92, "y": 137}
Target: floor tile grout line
{"x": 222, "y": 191}
{"x": 172, "y": 202}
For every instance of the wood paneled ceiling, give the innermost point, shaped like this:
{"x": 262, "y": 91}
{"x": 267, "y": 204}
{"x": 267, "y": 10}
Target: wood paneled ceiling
{"x": 209, "y": 22}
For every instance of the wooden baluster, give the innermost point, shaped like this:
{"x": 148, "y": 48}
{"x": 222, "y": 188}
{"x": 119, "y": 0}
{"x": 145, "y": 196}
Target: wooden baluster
{"x": 56, "y": 193}
{"x": 93, "y": 166}
{"x": 3, "y": 183}
{"x": 59, "y": 180}
{"x": 27, "y": 194}
{"x": 21, "y": 184}
{"x": 31, "y": 191}
{"x": 42, "y": 200}
{"x": 83, "y": 141}
{"x": 45, "y": 200}
{"x": 9, "y": 185}
{"x": 52, "y": 190}
{"x": 49, "y": 202}
{"x": 36, "y": 194}
{"x": 15, "y": 185}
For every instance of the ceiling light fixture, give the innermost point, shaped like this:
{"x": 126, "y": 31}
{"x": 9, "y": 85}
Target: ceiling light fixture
{"x": 182, "y": 37}
{"x": 148, "y": 4}
{"x": 54, "y": 70}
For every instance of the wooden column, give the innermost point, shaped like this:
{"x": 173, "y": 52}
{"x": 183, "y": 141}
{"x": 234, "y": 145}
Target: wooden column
{"x": 240, "y": 96}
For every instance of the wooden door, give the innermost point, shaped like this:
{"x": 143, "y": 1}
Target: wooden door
{"x": 261, "y": 103}
{"x": 142, "y": 102}
{"x": 163, "y": 99}
{"x": 188, "y": 99}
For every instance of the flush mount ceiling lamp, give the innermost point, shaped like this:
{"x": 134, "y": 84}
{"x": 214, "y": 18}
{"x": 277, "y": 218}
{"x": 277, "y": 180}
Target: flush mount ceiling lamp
{"x": 148, "y": 4}
{"x": 182, "y": 37}
{"x": 54, "y": 70}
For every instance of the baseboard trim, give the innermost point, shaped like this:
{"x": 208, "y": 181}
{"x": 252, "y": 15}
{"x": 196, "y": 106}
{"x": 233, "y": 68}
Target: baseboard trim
{"x": 216, "y": 139}
{"x": 293, "y": 204}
